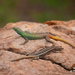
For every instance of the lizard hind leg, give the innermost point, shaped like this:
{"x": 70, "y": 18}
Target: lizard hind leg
{"x": 48, "y": 40}
{"x": 52, "y": 34}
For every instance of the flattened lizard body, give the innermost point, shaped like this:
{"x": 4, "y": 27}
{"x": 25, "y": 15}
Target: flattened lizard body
{"x": 41, "y": 52}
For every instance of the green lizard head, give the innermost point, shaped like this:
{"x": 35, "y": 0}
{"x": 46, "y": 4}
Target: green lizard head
{"x": 19, "y": 31}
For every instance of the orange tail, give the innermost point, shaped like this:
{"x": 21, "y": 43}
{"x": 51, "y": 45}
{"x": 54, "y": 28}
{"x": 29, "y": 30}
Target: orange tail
{"x": 60, "y": 39}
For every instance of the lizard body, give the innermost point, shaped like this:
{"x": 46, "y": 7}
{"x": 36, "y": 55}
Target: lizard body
{"x": 31, "y": 36}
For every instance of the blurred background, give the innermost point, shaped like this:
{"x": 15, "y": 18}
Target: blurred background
{"x": 36, "y": 10}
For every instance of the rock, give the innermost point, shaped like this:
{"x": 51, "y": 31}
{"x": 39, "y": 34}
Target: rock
{"x": 11, "y": 48}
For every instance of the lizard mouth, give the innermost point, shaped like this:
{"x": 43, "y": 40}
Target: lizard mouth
{"x": 15, "y": 28}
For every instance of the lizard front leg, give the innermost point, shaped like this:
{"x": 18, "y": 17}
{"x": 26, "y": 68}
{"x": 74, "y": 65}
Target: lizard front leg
{"x": 26, "y": 40}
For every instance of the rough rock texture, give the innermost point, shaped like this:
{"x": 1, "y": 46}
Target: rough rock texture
{"x": 51, "y": 64}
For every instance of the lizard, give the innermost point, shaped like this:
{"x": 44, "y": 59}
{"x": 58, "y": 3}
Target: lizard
{"x": 41, "y": 52}
{"x": 33, "y": 36}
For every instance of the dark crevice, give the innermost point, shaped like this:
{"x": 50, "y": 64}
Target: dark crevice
{"x": 16, "y": 52}
{"x": 55, "y": 63}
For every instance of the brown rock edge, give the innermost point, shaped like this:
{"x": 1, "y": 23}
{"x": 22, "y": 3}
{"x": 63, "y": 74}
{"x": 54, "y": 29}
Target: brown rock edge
{"x": 49, "y": 64}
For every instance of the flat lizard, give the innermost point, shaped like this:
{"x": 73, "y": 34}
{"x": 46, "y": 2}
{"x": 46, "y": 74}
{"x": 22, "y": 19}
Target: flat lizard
{"x": 41, "y": 52}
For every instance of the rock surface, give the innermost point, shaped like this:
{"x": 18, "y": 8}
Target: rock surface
{"x": 51, "y": 64}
